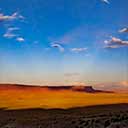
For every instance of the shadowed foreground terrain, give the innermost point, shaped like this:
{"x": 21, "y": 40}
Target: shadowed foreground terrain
{"x": 102, "y": 116}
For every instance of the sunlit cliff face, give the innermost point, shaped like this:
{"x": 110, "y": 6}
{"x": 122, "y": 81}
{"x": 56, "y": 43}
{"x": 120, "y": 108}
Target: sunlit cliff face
{"x": 20, "y": 97}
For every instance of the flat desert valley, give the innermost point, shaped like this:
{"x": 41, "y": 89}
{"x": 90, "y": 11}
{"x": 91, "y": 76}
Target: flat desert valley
{"x": 23, "y": 97}
{"x": 61, "y": 107}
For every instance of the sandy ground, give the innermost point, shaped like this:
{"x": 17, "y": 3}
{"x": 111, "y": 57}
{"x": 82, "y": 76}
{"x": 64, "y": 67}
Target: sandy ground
{"x": 40, "y": 98}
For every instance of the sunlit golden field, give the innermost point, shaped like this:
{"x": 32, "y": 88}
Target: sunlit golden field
{"x": 17, "y": 99}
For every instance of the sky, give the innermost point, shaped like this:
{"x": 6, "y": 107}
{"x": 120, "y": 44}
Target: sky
{"x": 62, "y": 42}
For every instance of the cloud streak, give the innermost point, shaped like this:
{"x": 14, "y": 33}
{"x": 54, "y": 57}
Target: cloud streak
{"x": 105, "y": 1}
{"x": 77, "y": 50}
{"x": 20, "y": 39}
{"x": 115, "y": 43}
{"x": 9, "y": 35}
{"x": 13, "y": 29}
{"x": 112, "y": 46}
{"x": 12, "y": 17}
{"x": 124, "y": 30}
{"x": 10, "y": 32}
{"x": 55, "y": 45}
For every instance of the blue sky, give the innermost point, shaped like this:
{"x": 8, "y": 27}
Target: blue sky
{"x": 63, "y": 41}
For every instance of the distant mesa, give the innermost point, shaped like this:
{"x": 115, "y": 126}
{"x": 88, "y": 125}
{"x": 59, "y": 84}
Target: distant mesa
{"x": 86, "y": 89}
{"x": 59, "y": 87}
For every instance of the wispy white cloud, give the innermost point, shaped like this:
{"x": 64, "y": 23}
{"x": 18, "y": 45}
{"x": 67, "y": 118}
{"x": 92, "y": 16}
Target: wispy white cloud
{"x": 112, "y": 46}
{"x": 20, "y": 39}
{"x": 77, "y": 50}
{"x": 12, "y": 17}
{"x": 123, "y": 30}
{"x": 13, "y": 28}
{"x": 9, "y": 35}
{"x": 115, "y": 43}
{"x": 118, "y": 41}
{"x": 105, "y": 1}
{"x": 10, "y": 32}
{"x": 60, "y": 47}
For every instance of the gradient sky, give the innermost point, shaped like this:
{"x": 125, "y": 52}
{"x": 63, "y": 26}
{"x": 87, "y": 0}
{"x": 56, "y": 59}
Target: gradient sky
{"x": 63, "y": 41}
